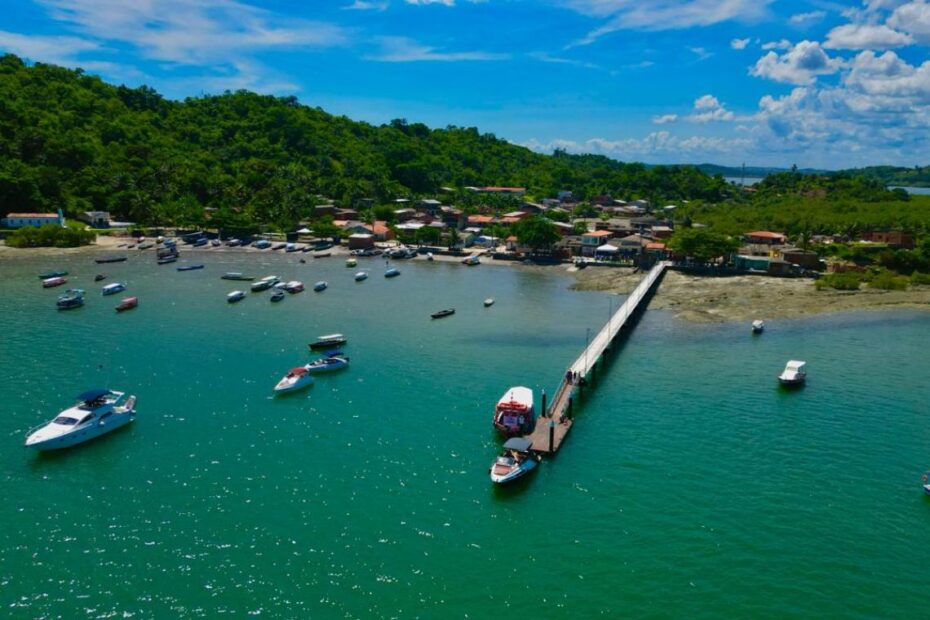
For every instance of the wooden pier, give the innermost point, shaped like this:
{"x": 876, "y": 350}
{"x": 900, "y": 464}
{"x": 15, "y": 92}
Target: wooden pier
{"x": 553, "y": 426}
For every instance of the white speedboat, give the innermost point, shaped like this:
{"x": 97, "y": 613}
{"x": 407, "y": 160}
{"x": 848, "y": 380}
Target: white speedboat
{"x": 392, "y": 272}
{"x": 488, "y": 302}
{"x": 515, "y": 461}
{"x": 235, "y": 296}
{"x": 112, "y": 289}
{"x": 926, "y": 485}
{"x": 294, "y": 286}
{"x": 794, "y": 373}
{"x": 429, "y": 256}
{"x": 758, "y": 326}
{"x": 334, "y": 360}
{"x": 265, "y": 283}
{"x": 472, "y": 260}
{"x": 361, "y": 275}
{"x": 295, "y": 379}
{"x": 72, "y": 298}
{"x": 97, "y": 412}
{"x": 320, "y": 286}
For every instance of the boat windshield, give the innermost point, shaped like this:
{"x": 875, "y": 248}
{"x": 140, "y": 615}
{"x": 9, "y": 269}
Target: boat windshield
{"x": 65, "y": 420}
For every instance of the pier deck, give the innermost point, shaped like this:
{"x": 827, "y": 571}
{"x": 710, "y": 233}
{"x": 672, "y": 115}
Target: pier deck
{"x": 553, "y": 426}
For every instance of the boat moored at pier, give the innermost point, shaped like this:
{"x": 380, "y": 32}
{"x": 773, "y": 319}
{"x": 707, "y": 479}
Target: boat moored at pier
{"x": 329, "y": 341}
{"x": 515, "y": 413}
{"x": 515, "y": 461}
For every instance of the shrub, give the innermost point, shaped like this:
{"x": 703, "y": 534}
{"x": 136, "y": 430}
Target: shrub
{"x": 888, "y": 281}
{"x": 845, "y": 281}
{"x": 918, "y": 278}
{"x": 49, "y": 235}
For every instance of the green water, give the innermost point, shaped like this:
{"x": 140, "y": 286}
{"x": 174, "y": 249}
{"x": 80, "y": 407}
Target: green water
{"x": 691, "y": 486}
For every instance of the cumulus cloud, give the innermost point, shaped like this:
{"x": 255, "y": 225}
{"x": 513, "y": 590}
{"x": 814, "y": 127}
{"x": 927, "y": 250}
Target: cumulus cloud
{"x": 783, "y": 44}
{"x": 799, "y": 65}
{"x": 708, "y": 108}
{"x": 655, "y": 145}
{"x": 807, "y": 18}
{"x": 739, "y": 44}
{"x": 914, "y": 19}
{"x": 664, "y": 118}
{"x": 866, "y": 37}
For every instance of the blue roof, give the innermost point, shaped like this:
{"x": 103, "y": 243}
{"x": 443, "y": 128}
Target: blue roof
{"x": 91, "y": 395}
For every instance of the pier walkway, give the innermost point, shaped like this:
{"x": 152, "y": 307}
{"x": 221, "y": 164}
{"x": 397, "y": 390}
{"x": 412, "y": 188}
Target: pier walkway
{"x": 554, "y": 424}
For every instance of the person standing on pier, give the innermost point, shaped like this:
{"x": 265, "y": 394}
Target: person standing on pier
{"x": 568, "y": 376}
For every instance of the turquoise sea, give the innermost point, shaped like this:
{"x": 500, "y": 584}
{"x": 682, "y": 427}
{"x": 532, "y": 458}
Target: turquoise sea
{"x": 691, "y": 485}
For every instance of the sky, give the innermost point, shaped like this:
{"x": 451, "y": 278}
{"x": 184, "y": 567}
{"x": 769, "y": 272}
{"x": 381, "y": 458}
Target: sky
{"x": 814, "y": 83}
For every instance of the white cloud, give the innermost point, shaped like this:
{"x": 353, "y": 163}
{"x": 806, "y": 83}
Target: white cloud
{"x": 708, "y": 108}
{"x": 799, "y": 65}
{"x": 806, "y": 18}
{"x": 914, "y": 19}
{"x": 558, "y": 60}
{"x": 739, "y": 44}
{"x": 402, "y": 49}
{"x": 701, "y": 53}
{"x": 59, "y": 50}
{"x": 367, "y": 5}
{"x": 783, "y": 44}
{"x": 664, "y": 118}
{"x": 658, "y": 144}
{"x": 865, "y": 37}
{"x": 425, "y": 2}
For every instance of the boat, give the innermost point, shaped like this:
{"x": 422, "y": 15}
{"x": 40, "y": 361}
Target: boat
{"x": 443, "y": 313}
{"x": 488, "y": 302}
{"x": 471, "y": 260}
{"x": 361, "y": 275}
{"x": 262, "y": 244}
{"x": 235, "y": 296}
{"x": 333, "y": 360}
{"x": 351, "y": 262}
{"x": 233, "y": 243}
{"x": 515, "y": 461}
{"x": 127, "y": 303}
{"x": 167, "y": 259}
{"x": 72, "y": 298}
{"x": 278, "y": 295}
{"x": 926, "y": 480}
{"x": 110, "y": 259}
{"x": 514, "y": 414}
{"x": 100, "y": 277}
{"x": 55, "y": 281}
{"x": 52, "y": 274}
{"x": 201, "y": 242}
{"x": 320, "y": 286}
{"x": 236, "y": 275}
{"x": 295, "y": 379}
{"x": 112, "y": 289}
{"x": 145, "y": 246}
{"x": 329, "y": 341}
{"x": 294, "y": 286}
{"x": 96, "y": 413}
{"x": 581, "y": 263}
{"x": 322, "y": 245}
{"x": 322, "y": 254}
{"x": 279, "y": 246}
{"x": 429, "y": 256}
{"x": 758, "y": 326}
{"x": 190, "y": 267}
{"x": 794, "y": 373}
{"x": 291, "y": 247}
{"x": 215, "y": 243}
{"x": 392, "y": 272}
{"x": 265, "y": 283}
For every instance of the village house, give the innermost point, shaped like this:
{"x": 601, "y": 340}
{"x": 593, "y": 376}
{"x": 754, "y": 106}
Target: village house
{"x": 361, "y": 241}
{"x": 893, "y": 238}
{"x": 429, "y": 205}
{"x": 532, "y": 208}
{"x": 96, "y": 219}
{"x": 479, "y": 221}
{"x": 324, "y": 210}
{"x": 452, "y": 217}
{"x": 346, "y": 214}
{"x": 506, "y": 191}
{"x": 381, "y": 231}
{"x": 592, "y": 239}
{"x": 807, "y": 259}
{"x": 661, "y": 232}
{"x": 631, "y": 246}
{"x": 21, "y": 220}
{"x": 620, "y": 227}
{"x": 564, "y": 228}
{"x": 405, "y": 214}
{"x": 353, "y": 226}
{"x": 765, "y": 237}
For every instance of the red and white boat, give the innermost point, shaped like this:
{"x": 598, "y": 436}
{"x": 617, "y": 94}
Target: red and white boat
{"x": 50, "y": 282}
{"x": 127, "y": 303}
{"x": 514, "y": 414}
{"x": 295, "y": 379}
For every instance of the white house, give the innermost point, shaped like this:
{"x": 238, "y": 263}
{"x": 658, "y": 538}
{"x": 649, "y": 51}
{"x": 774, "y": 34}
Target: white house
{"x": 21, "y": 220}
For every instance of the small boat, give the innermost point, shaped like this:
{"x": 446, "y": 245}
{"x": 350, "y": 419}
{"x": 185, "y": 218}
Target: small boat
{"x": 429, "y": 256}
{"x": 351, "y": 262}
{"x": 322, "y": 245}
{"x": 236, "y": 275}
{"x": 392, "y": 272}
{"x": 329, "y": 341}
{"x": 758, "y": 326}
{"x": 295, "y": 379}
{"x": 52, "y": 274}
{"x": 291, "y": 247}
{"x": 201, "y": 242}
{"x": 72, "y": 298}
{"x": 302, "y": 261}
{"x": 110, "y": 259}
{"x": 55, "y": 281}
{"x": 443, "y": 313}
{"x": 515, "y": 461}
{"x": 235, "y": 296}
{"x": 793, "y": 374}
{"x": 361, "y": 275}
{"x": 100, "y": 277}
{"x": 146, "y": 246}
{"x": 278, "y": 295}
{"x": 189, "y": 267}
{"x": 216, "y": 243}
{"x": 112, "y": 289}
{"x": 167, "y": 259}
{"x": 580, "y": 263}
{"x": 471, "y": 260}
{"x": 265, "y": 283}
{"x": 514, "y": 414}
{"x": 262, "y": 244}
{"x": 294, "y": 286}
{"x": 926, "y": 480}
{"x": 322, "y": 254}
{"x": 320, "y": 286}
{"x": 334, "y": 360}
{"x": 127, "y": 303}
{"x": 488, "y": 302}
{"x": 233, "y": 243}
{"x": 279, "y": 246}
{"x": 97, "y": 412}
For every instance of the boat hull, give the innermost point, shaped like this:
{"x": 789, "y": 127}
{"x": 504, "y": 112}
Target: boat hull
{"x": 328, "y": 344}
{"x": 513, "y": 473}
{"x": 79, "y": 436}
{"x": 296, "y": 386}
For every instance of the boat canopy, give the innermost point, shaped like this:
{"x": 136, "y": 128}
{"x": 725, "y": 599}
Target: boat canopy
{"x": 795, "y": 365}
{"x": 330, "y": 337}
{"x": 92, "y": 395}
{"x": 520, "y": 444}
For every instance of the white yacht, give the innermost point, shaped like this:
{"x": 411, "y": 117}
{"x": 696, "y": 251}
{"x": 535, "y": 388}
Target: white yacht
{"x": 116, "y": 287}
{"x": 295, "y": 379}
{"x": 794, "y": 373}
{"x": 265, "y": 283}
{"x": 757, "y": 326}
{"x": 361, "y": 275}
{"x": 235, "y": 296}
{"x": 97, "y": 412}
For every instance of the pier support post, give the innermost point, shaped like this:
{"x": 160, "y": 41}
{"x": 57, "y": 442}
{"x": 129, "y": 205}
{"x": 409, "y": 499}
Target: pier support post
{"x": 552, "y": 435}
{"x": 571, "y": 401}
{"x": 543, "y": 410}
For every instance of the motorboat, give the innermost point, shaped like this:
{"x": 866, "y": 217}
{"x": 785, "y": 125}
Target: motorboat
{"x": 926, "y": 481}
{"x": 201, "y": 242}
{"x": 361, "y": 275}
{"x": 333, "y": 360}
{"x": 112, "y": 289}
{"x": 488, "y": 302}
{"x": 166, "y": 260}
{"x": 322, "y": 245}
{"x": 581, "y": 263}
{"x": 429, "y": 256}
{"x": 215, "y": 243}
{"x": 265, "y": 283}
{"x": 320, "y": 286}
{"x": 302, "y": 261}
{"x": 443, "y": 313}
{"x": 392, "y": 272}
{"x": 794, "y": 373}
{"x": 235, "y": 296}
{"x": 471, "y": 260}
{"x": 127, "y": 303}
{"x": 322, "y": 254}
{"x": 53, "y": 274}
{"x": 758, "y": 326}
{"x": 329, "y": 341}
{"x": 111, "y": 259}
{"x": 145, "y": 246}
{"x": 515, "y": 461}
{"x": 294, "y": 286}
{"x": 291, "y": 247}
{"x": 262, "y": 244}
{"x": 100, "y": 277}
{"x": 190, "y": 267}
{"x": 295, "y": 379}
{"x": 236, "y": 275}
{"x": 278, "y": 295}
{"x": 55, "y": 281}
{"x": 351, "y": 262}
{"x": 72, "y": 298}
{"x": 233, "y": 243}
{"x": 515, "y": 414}
{"x": 278, "y": 246}
{"x": 96, "y": 413}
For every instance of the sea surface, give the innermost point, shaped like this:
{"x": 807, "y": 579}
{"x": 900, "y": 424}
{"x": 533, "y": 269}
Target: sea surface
{"x": 691, "y": 485}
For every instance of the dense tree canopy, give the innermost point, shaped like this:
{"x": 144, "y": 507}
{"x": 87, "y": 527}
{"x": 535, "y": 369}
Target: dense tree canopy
{"x": 702, "y": 244}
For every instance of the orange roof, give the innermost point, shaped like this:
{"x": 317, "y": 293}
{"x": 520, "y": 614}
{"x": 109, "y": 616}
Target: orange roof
{"x": 765, "y": 234}
{"x": 655, "y": 245}
{"x": 598, "y": 233}
{"x": 494, "y": 188}
{"x": 480, "y": 219}
{"x": 509, "y": 220}
{"x": 379, "y": 227}
{"x": 512, "y": 238}
{"x": 55, "y": 215}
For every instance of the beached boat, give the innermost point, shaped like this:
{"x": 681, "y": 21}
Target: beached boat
{"x": 471, "y": 260}
{"x": 54, "y": 281}
{"x": 322, "y": 254}
{"x": 278, "y": 246}
{"x": 110, "y": 259}
{"x": 262, "y": 244}
{"x": 112, "y": 289}
{"x": 190, "y": 267}
{"x": 291, "y": 247}
{"x": 97, "y": 412}
{"x": 488, "y": 302}
{"x": 794, "y": 373}
{"x": 758, "y": 326}
{"x": 392, "y": 272}
{"x": 295, "y": 379}
{"x": 334, "y": 360}
{"x": 515, "y": 461}
{"x": 329, "y": 341}
{"x": 215, "y": 243}
{"x": 235, "y": 296}
{"x": 429, "y": 256}
{"x": 127, "y": 303}
{"x": 100, "y": 277}
{"x": 265, "y": 283}
{"x": 322, "y": 245}
{"x": 351, "y": 262}
{"x": 320, "y": 286}
{"x": 201, "y": 242}
{"x": 443, "y": 313}
{"x": 72, "y": 298}
{"x": 53, "y": 274}
{"x": 515, "y": 414}
{"x": 361, "y": 275}
{"x": 233, "y": 243}
{"x": 581, "y": 263}
{"x": 278, "y": 295}
{"x": 294, "y": 286}
{"x": 236, "y": 275}
{"x": 145, "y": 246}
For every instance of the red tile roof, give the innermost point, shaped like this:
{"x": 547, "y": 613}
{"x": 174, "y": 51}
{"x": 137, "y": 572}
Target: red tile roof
{"x": 480, "y": 219}
{"x": 495, "y": 188}
{"x": 655, "y": 246}
{"x": 598, "y": 233}
{"x": 765, "y": 234}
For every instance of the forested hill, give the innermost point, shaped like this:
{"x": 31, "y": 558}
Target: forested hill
{"x": 893, "y": 175}
{"x": 71, "y": 140}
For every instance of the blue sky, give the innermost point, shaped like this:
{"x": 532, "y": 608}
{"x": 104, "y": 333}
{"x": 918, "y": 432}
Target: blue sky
{"x": 766, "y": 82}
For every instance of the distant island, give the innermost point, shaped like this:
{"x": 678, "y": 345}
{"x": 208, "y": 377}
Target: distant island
{"x": 887, "y": 175}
